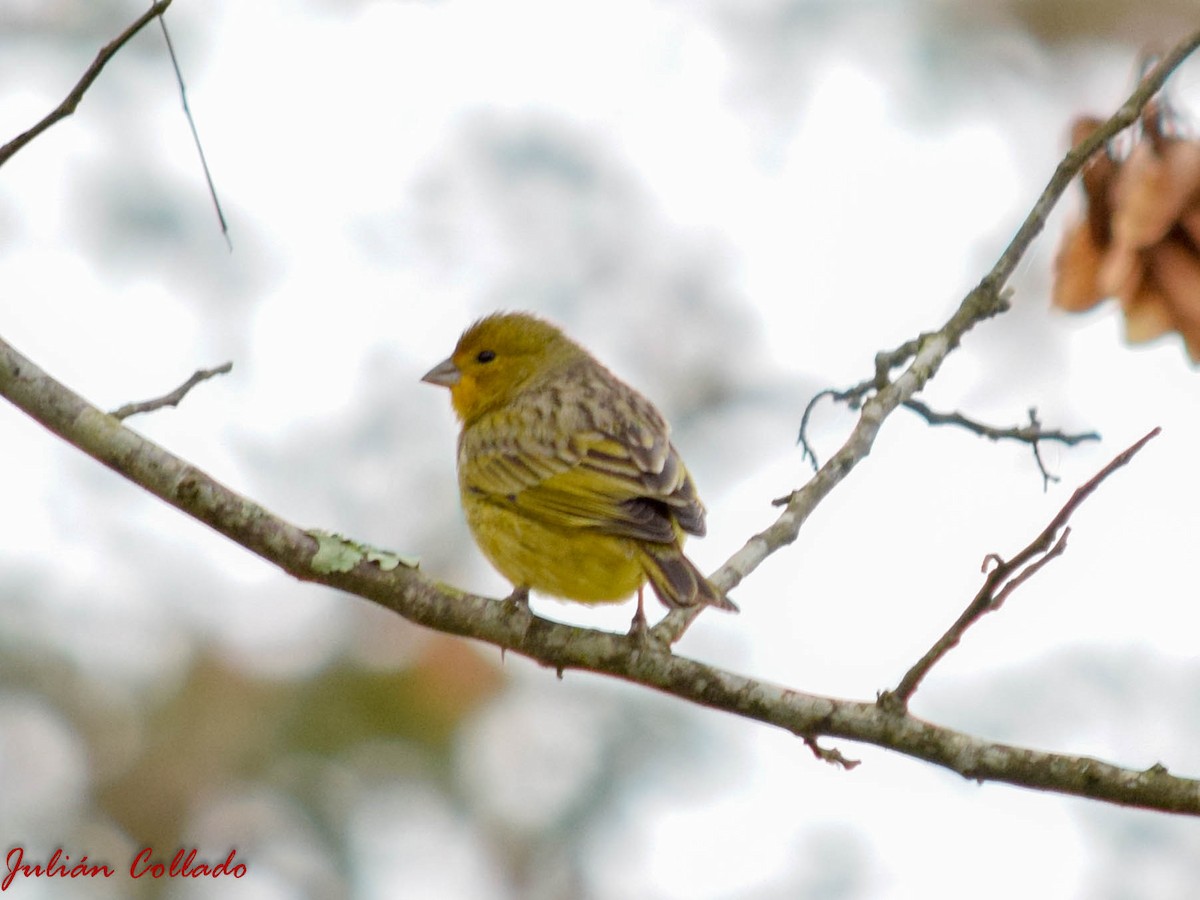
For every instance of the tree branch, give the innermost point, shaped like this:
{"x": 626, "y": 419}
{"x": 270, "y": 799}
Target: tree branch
{"x": 67, "y": 107}
{"x": 1031, "y": 434}
{"x": 1005, "y": 578}
{"x": 406, "y": 591}
{"x": 187, "y": 112}
{"x": 175, "y": 397}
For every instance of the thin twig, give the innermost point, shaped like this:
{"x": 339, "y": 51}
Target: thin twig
{"x": 1031, "y": 434}
{"x": 853, "y": 397}
{"x": 67, "y": 107}
{"x": 1037, "y": 453}
{"x": 806, "y": 450}
{"x": 831, "y": 755}
{"x": 1059, "y": 548}
{"x": 212, "y": 190}
{"x": 175, "y": 397}
{"x": 1004, "y": 579}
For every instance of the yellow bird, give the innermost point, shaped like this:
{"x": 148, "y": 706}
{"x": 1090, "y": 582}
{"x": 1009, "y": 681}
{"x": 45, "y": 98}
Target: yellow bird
{"x": 569, "y": 481}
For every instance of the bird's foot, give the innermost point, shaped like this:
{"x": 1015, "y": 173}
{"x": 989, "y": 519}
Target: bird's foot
{"x": 639, "y": 630}
{"x": 518, "y": 600}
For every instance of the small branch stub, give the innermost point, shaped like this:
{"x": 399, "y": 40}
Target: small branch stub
{"x": 831, "y": 755}
{"x": 175, "y": 397}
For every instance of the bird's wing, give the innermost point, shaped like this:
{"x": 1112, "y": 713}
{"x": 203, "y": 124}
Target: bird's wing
{"x": 591, "y": 454}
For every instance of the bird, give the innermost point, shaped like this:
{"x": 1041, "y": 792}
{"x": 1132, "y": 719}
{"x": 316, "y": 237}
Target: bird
{"x": 568, "y": 478}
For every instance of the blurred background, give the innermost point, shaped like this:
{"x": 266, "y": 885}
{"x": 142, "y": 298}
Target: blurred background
{"x": 734, "y": 204}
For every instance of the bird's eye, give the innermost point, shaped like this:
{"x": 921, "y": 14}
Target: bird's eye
{"x": 485, "y": 356}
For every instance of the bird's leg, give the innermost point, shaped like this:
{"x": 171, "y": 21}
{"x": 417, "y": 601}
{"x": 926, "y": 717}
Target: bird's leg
{"x": 518, "y": 603}
{"x": 638, "y": 627}
{"x": 518, "y": 597}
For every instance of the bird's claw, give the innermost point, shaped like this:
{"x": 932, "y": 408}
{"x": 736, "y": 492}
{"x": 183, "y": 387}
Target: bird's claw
{"x": 518, "y": 597}
{"x": 639, "y": 629}
{"x": 517, "y": 602}
{"x": 643, "y": 637}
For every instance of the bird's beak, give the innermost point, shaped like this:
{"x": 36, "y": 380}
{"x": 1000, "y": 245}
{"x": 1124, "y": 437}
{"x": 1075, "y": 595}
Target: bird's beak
{"x": 445, "y": 374}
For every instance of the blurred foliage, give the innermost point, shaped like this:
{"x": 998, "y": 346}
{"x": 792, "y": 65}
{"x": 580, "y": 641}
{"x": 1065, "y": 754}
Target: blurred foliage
{"x": 222, "y": 726}
{"x": 159, "y": 756}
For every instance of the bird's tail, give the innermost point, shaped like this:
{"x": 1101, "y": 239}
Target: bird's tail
{"x": 677, "y": 581}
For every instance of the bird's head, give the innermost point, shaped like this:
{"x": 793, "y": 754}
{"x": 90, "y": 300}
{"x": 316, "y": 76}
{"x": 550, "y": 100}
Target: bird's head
{"x": 496, "y": 358}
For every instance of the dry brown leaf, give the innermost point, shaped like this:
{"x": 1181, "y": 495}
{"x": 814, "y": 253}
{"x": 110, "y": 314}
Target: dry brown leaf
{"x": 1120, "y": 273}
{"x": 1147, "y": 315}
{"x": 1075, "y": 288}
{"x": 1181, "y": 170}
{"x": 1175, "y": 266}
{"x": 1183, "y": 162}
{"x": 1141, "y": 239}
{"x": 1140, "y": 211}
{"x": 1190, "y": 223}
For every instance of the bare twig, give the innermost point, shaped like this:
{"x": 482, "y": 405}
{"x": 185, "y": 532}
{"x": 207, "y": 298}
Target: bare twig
{"x": 1060, "y": 547}
{"x": 806, "y": 450}
{"x": 1006, "y": 577}
{"x": 831, "y": 755}
{"x": 853, "y": 397}
{"x": 1037, "y": 453}
{"x": 67, "y": 107}
{"x": 212, "y": 190}
{"x": 174, "y": 397}
{"x": 1032, "y": 434}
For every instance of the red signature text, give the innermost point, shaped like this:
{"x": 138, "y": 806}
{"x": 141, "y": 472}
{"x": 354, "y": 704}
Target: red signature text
{"x": 183, "y": 865}
{"x": 57, "y": 866}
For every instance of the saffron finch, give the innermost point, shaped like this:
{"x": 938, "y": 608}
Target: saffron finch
{"x": 569, "y": 481}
